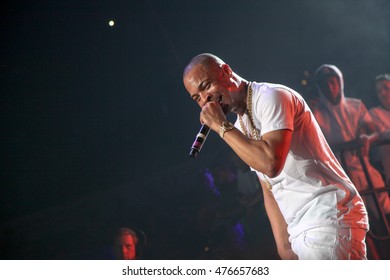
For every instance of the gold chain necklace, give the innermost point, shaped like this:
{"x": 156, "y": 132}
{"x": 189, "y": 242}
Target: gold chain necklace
{"x": 255, "y": 132}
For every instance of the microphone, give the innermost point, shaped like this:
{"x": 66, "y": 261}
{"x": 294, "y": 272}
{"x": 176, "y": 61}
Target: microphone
{"x": 199, "y": 140}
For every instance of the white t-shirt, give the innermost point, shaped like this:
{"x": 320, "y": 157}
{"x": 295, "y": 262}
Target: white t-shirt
{"x": 312, "y": 190}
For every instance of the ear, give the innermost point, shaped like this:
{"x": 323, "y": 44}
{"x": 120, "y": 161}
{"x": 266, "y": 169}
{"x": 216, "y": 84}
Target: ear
{"x": 227, "y": 70}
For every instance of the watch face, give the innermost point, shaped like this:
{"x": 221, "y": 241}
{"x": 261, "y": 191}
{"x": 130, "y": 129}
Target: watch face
{"x": 227, "y": 125}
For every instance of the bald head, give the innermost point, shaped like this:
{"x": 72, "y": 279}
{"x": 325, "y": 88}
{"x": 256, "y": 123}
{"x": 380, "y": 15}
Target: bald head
{"x": 206, "y": 60}
{"x": 208, "y": 78}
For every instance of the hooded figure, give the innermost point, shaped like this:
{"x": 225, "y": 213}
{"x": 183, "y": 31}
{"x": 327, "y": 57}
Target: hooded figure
{"x": 342, "y": 120}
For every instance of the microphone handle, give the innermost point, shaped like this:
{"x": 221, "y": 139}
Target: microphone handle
{"x": 199, "y": 140}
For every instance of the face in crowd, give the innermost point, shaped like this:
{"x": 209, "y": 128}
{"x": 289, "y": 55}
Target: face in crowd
{"x": 383, "y": 92}
{"x": 125, "y": 247}
{"x": 331, "y": 89}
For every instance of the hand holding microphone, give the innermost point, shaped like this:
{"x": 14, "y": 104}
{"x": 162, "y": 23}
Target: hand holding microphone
{"x": 211, "y": 113}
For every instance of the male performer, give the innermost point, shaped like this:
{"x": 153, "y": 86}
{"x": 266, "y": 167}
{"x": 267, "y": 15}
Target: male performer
{"x": 314, "y": 210}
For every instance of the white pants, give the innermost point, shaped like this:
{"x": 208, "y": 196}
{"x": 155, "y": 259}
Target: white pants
{"x": 326, "y": 243}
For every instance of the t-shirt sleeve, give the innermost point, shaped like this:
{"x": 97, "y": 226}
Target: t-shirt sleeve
{"x": 274, "y": 110}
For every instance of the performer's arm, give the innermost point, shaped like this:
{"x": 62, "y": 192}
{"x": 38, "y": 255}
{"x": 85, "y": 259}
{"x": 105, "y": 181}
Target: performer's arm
{"x": 267, "y": 155}
{"x": 278, "y": 225}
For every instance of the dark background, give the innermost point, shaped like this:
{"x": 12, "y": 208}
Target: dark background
{"x": 95, "y": 119}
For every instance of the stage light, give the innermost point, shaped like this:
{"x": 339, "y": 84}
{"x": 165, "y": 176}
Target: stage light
{"x": 111, "y": 23}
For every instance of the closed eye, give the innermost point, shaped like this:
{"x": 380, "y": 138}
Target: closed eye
{"x": 196, "y": 97}
{"x": 205, "y": 85}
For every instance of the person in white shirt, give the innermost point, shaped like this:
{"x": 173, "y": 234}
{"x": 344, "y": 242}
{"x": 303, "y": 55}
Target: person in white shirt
{"x": 314, "y": 209}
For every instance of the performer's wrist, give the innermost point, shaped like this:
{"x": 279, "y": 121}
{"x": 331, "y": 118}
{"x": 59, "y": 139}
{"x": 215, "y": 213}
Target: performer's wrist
{"x": 225, "y": 127}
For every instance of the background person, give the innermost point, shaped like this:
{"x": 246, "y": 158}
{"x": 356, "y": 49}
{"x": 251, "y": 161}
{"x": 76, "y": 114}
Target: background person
{"x": 125, "y": 244}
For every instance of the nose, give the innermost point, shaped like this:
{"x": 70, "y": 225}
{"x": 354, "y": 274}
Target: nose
{"x": 206, "y": 97}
